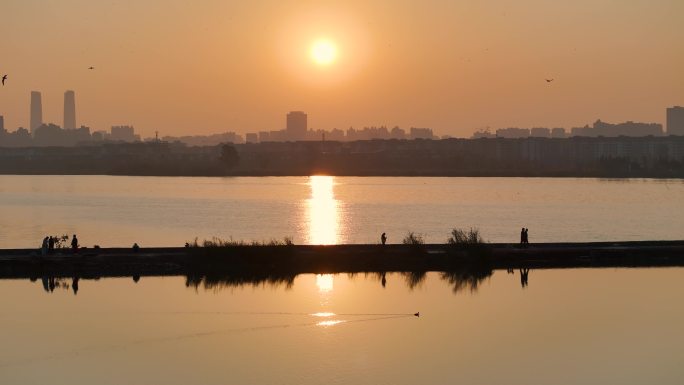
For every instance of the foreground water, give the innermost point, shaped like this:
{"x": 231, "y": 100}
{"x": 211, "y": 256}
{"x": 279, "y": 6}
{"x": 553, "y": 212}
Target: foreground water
{"x": 586, "y": 326}
{"x": 158, "y": 211}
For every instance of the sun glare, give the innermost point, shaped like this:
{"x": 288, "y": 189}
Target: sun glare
{"x": 323, "y": 52}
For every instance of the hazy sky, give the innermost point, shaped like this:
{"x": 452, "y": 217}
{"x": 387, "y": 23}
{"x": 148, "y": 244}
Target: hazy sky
{"x": 197, "y": 67}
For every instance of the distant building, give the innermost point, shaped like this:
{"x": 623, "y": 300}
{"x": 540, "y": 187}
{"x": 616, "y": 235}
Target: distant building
{"x": 397, "y": 133}
{"x": 123, "y": 134}
{"x": 540, "y": 132}
{"x": 69, "y": 110}
{"x": 600, "y": 128}
{"x": 251, "y": 138}
{"x": 421, "y": 133}
{"x": 36, "y": 111}
{"x": 2, "y": 123}
{"x": 296, "y": 125}
{"x": 558, "y": 133}
{"x": 513, "y": 133}
{"x": 483, "y": 133}
{"x": 99, "y": 135}
{"x": 264, "y": 136}
{"x": 675, "y": 121}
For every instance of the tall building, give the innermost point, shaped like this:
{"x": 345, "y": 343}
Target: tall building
{"x": 36, "y": 111}
{"x": 123, "y": 134}
{"x": 675, "y": 120}
{"x": 296, "y": 125}
{"x": 69, "y": 110}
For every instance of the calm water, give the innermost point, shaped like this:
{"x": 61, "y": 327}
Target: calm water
{"x": 599, "y": 326}
{"x": 157, "y": 211}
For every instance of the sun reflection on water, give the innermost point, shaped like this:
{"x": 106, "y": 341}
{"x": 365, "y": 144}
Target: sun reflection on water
{"x": 324, "y": 283}
{"x": 330, "y": 322}
{"x": 323, "y": 314}
{"x": 322, "y": 211}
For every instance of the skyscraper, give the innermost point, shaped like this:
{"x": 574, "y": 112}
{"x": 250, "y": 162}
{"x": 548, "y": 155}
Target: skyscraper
{"x": 69, "y": 110}
{"x": 36, "y": 111}
{"x": 675, "y": 120}
{"x": 296, "y": 125}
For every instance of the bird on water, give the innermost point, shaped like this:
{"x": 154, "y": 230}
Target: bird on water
{"x": 4, "y": 77}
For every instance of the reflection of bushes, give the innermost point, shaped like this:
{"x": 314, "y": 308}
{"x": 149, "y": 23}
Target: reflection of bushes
{"x": 414, "y": 278}
{"x": 217, "y": 282}
{"x": 466, "y": 278}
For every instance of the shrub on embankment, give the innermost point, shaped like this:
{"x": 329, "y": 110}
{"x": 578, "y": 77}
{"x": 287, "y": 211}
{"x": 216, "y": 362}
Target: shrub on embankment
{"x": 470, "y": 247}
{"x": 234, "y": 254}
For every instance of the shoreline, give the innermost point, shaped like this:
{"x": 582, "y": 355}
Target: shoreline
{"x": 267, "y": 262}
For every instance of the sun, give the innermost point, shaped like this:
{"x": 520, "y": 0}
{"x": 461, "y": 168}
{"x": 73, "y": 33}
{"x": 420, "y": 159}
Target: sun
{"x": 323, "y": 52}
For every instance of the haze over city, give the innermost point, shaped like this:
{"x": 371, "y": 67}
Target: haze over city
{"x": 451, "y": 66}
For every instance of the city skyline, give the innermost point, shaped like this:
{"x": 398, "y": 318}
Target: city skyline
{"x": 453, "y": 67}
{"x": 296, "y": 127}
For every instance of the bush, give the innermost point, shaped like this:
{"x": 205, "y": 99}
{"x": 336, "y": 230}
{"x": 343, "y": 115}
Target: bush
{"x": 216, "y": 242}
{"x": 461, "y": 237}
{"x": 413, "y": 239}
{"x": 469, "y": 244}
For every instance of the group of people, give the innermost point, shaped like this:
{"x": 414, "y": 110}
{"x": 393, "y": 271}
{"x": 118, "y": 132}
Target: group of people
{"x": 524, "y": 239}
{"x": 49, "y": 244}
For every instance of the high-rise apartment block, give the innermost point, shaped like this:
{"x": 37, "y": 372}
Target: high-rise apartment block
{"x": 69, "y": 110}
{"x": 296, "y": 125}
{"x": 36, "y": 111}
{"x": 675, "y": 121}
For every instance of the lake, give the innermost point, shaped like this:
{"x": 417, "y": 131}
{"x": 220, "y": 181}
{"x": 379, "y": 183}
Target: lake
{"x": 169, "y": 211}
{"x": 575, "y": 326}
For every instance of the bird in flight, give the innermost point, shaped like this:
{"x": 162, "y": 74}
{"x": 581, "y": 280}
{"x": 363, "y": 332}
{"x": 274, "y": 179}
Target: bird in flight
{"x": 548, "y": 80}
{"x": 91, "y": 68}
{"x": 4, "y": 77}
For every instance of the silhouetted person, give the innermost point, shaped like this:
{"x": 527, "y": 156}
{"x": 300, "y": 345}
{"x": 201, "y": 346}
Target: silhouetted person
{"x": 527, "y": 239}
{"x": 74, "y": 244}
{"x": 136, "y": 247}
{"x": 524, "y": 273}
{"x": 384, "y": 280}
{"x": 74, "y": 285}
{"x": 383, "y": 238}
{"x": 44, "y": 246}
{"x": 51, "y": 244}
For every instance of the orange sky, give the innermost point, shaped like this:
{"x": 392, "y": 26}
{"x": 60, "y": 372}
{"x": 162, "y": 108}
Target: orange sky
{"x": 454, "y": 66}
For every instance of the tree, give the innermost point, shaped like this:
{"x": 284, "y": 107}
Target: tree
{"x": 229, "y": 156}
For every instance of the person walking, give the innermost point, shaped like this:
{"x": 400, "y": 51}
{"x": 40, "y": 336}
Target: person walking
{"x": 383, "y": 238}
{"x": 74, "y": 244}
{"x": 44, "y": 246}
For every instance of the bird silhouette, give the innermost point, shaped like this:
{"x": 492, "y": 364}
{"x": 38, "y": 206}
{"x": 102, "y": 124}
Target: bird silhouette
{"x": 548, "y": 80}
{"x": 4, "y": 77}
{"x": 91, "y": 68}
